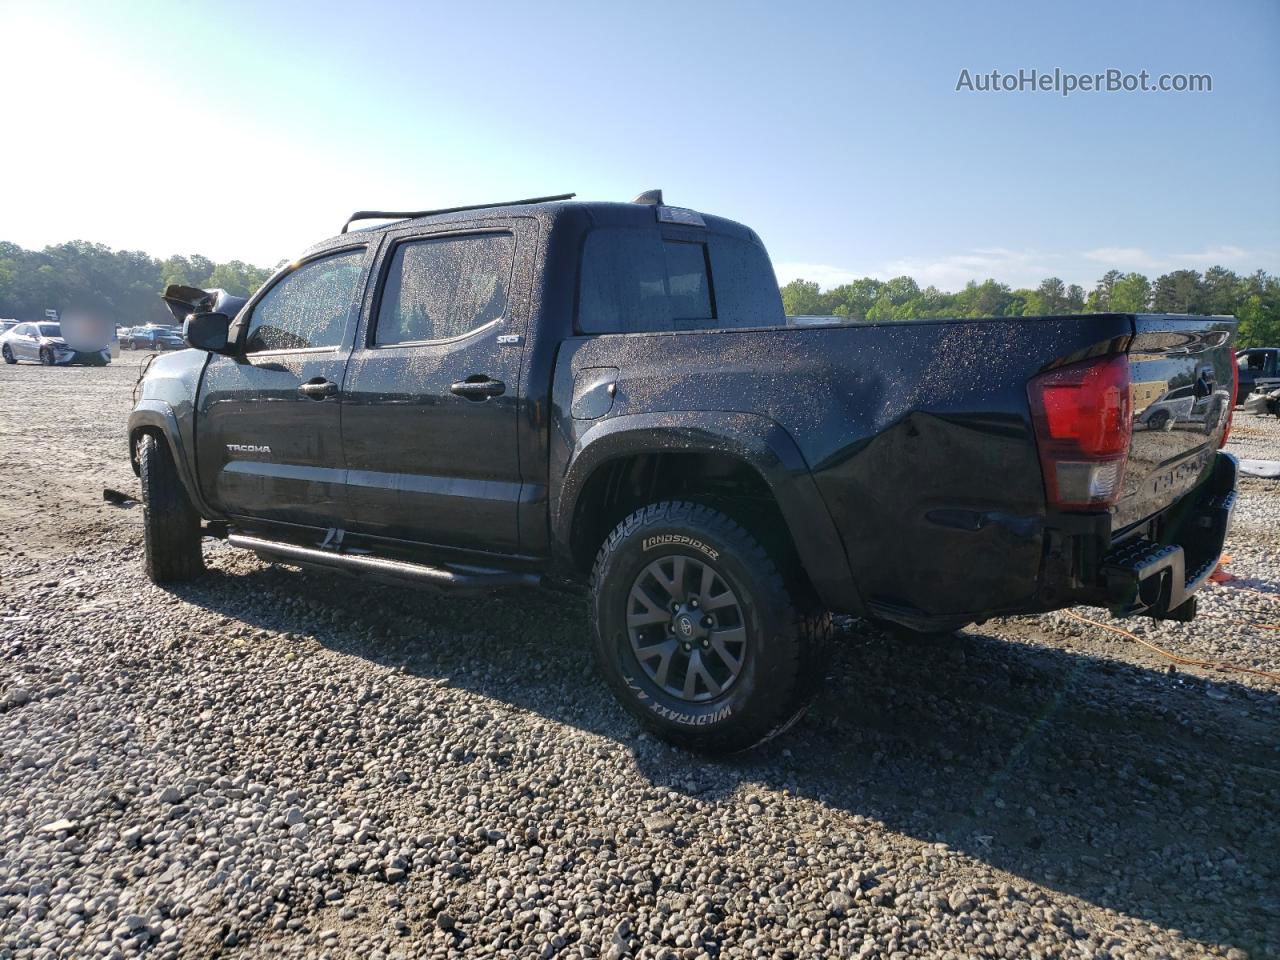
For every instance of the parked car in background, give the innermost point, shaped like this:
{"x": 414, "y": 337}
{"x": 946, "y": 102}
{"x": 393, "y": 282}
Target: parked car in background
{"x": 7, "y": 325}
{"x": 43, "y": 343}
{"x": 155, "y": 336}
{"x": 1259, "y": 371}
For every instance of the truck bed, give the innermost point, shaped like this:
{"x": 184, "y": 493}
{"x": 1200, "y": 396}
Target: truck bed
{"x": 920, "y": 439}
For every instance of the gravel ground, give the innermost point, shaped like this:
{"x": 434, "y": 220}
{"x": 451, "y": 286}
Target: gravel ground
{"x": 267, "y": 763}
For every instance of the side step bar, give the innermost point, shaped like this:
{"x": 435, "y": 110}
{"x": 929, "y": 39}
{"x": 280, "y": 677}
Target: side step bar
{"x": 382, "y": 568}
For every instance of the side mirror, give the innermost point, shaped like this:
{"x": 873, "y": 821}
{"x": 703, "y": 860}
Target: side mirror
{"x": 207, "y": 331}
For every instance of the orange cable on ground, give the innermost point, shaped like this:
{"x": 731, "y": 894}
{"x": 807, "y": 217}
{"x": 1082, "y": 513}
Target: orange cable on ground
{"x": 1250, "y": 623}
{"x": 1187, "y": 661}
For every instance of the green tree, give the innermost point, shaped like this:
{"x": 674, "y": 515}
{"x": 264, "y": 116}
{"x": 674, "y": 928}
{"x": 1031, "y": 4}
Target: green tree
{"x": 1100, "y": 297}
{"x": 802, "y": 298}
{"x": 1181, "y": 291}
{"x": 1131, "y": 294}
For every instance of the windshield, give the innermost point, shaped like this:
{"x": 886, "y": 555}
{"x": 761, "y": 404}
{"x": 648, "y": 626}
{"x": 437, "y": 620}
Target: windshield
{"x": 50, "y": 329}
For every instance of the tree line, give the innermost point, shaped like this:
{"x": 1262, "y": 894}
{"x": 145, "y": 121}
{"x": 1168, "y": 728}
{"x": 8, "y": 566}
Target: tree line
{"x": 1253, "y": 299}
{"x": 121, "y": 285}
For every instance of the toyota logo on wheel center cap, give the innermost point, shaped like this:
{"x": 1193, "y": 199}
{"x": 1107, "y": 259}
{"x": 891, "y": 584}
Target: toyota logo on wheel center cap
{"x": 686, "y": 626}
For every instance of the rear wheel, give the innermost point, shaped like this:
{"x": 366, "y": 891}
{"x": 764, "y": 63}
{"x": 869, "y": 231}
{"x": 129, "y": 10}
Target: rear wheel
{"x": 697, "y": 633}
{"x": 169, "y": 520}
{"x": 8, "y": 354}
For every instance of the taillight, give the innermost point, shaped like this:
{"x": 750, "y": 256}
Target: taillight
{"x": 1235, "y": 393}
{"x": 1083, "y": 419}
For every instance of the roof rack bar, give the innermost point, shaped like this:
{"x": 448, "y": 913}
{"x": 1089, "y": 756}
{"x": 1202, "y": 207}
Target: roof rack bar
{"x": 414, "y": 214}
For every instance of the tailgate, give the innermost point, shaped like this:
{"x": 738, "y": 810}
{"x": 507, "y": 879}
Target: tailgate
{"x": 1181, "y": 373}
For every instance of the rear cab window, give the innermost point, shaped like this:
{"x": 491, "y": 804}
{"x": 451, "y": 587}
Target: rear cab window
{"x": 644, "y": 280}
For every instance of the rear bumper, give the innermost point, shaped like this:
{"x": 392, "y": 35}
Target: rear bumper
{"x": 1152, "y": 569}
{"x": 1158, "y": 570}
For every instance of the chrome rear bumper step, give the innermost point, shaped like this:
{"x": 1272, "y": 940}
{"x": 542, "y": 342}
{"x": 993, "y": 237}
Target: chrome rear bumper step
{"x": 383, "y": 568}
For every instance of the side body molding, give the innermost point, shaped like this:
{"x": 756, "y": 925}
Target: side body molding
{"x": 756, "y": 440}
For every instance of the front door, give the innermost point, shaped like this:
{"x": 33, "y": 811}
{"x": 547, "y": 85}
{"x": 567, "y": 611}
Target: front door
{"x": 269, "y": 431}
{"x": 433, "y": 389}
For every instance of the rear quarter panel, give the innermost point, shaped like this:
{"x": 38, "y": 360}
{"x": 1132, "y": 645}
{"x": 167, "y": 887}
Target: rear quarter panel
{"x": 917, "y": 434}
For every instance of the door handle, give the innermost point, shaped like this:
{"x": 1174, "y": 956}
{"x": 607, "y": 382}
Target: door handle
{"x": 318, "y": 389}
{"x": 479, "y": 387}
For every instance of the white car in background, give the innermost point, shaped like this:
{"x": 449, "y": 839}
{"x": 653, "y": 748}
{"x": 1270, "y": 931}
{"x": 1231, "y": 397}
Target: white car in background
{"x": 43, "y": 342}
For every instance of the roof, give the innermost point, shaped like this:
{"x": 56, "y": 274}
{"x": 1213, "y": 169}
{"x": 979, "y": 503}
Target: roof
{"x": 588, "y": 212}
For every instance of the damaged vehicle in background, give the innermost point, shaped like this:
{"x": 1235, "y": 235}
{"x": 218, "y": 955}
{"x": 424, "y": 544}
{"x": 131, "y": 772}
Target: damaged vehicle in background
{"x": 609, "y": 394}
{"x": 43, "y": 342}
{"x": 1264, "y": 403}
{"x": 153, "y": 336}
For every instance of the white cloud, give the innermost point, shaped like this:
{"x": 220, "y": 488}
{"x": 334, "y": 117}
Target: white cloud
{"x": 1026, "y": 268}
{"x": 1136, "y": 258}
{"x": 1018, "y": 268}
{"x": 826, "y": 276}
{"x": 1213, "y": 255}
{"x": 1133, "y": 258}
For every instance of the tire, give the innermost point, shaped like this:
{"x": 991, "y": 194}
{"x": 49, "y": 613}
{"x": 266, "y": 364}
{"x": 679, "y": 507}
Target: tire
{"x": 46, "y": 356}
{"x": 776, "y": 635}
{"x": 1159, "y": 420}
{"x": 8, "y": 354}
{"x": 170, "y": 522}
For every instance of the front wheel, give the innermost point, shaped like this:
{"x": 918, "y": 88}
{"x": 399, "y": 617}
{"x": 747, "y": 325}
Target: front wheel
{"x": 170, "y": 522}
{"x": 46, "y": 356}
{"x": 697, "y": 633}
{"x": 8, "y": 354}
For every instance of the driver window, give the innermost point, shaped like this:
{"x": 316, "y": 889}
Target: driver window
{"x": 309, "y": 307}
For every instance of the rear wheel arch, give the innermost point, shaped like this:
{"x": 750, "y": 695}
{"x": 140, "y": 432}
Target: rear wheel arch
{"x": 743, "y": 464}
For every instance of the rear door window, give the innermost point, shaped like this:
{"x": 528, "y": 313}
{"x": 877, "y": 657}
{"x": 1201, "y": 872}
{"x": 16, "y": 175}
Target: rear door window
{"x": 440, "y": 288}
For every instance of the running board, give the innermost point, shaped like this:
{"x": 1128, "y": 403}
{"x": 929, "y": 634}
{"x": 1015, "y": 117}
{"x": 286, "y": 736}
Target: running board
{"x": 381, "y": 567}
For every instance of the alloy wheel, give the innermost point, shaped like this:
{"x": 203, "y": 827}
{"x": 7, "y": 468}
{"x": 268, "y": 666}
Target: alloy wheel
{"x": 687, "y": 628}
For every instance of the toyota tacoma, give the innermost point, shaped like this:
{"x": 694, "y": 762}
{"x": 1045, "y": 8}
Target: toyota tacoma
{"x": 610, "y": 394}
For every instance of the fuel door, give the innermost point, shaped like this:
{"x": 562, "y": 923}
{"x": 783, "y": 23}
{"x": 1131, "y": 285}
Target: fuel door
{"x": 593, "y": 392}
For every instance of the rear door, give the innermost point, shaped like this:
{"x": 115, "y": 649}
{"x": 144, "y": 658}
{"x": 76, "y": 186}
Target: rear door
{"x": 1168, "y": 456}
{"x": 433, "y": 389}
{"x": 269, "y": 433}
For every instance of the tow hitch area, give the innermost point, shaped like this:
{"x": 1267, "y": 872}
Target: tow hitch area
{"x": 1142, "y": 576}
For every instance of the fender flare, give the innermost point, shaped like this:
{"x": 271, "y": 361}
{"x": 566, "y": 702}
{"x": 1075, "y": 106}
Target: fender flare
{"x": 759, "y": 442}
{"x": 152, "y": 414}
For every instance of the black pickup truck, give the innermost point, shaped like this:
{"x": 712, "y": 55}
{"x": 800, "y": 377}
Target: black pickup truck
{"x": 551, "y": 392}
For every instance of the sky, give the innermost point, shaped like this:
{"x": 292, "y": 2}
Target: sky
{"x": 250, "y": 130}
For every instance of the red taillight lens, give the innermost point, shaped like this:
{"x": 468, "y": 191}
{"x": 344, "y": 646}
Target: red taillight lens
{"x": 1083, "y": 420}
{"x": 1235, "y": 395}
